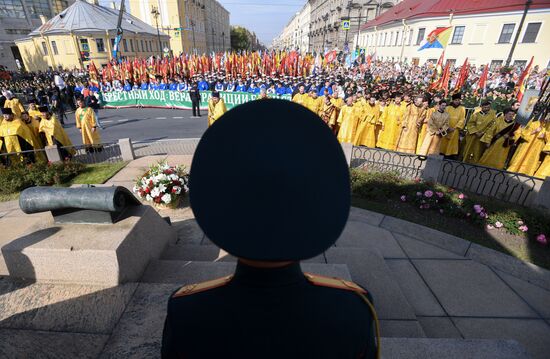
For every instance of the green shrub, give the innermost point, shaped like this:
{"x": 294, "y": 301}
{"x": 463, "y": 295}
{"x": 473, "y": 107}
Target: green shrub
{"x": 17, "y": 177}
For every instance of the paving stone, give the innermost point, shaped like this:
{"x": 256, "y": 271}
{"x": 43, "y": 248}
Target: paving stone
{"x": 362, "y": 235}
{"x": 510, "y": 265}
{"x": 401, "y": 329}
{"x": 3, "y": 213}
{"x": 54, "y": 307}
{"x": 138, "y": 334}
{"x": 128, "y": 174}
{"x": 190, "y": 252}
{"x": 411, "y": 348}
{"x": 467, "y": 288}
{"x": 9, "y": 205}
{"x": 443, "y": 240}
{"x": 188, "y": 272}
{"x": 49, "y": 345}
{"x": 367, "y": 268}
{"x": 532, "y": 334}
{"x": 188, "y": 231}
{"x": 14, "y": 227}
{"x": 359, "y": 214}
{"x": 418, "y": 249}
{"x": 537, "y": 297}
{"x": 414, "y": 288}
{"x": 439, "y": 327}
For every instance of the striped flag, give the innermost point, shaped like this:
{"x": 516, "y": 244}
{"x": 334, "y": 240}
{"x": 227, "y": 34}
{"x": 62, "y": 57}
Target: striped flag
{"x": 520, "y": 90}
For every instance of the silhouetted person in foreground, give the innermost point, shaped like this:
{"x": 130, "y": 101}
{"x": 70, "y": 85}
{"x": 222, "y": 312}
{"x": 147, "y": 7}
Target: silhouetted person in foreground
{"x": 270, "y": 198}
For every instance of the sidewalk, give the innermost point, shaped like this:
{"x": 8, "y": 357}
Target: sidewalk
{"x": 426, "y": 286}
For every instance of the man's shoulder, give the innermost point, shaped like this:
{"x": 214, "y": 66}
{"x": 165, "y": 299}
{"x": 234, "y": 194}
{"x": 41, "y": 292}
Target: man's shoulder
{"x": 191, "y": 289}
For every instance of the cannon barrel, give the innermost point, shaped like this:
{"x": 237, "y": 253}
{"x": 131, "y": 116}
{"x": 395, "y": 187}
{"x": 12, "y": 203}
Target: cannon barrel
{"x": 83, "y": 200}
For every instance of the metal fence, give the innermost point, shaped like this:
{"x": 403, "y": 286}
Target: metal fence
{"x": 104, "y": 152}
{"x": 506, "y": 186}
{"x": 406, "y": 165}
{"x": 10, "y": 158}
{"x": 184, "y": 146}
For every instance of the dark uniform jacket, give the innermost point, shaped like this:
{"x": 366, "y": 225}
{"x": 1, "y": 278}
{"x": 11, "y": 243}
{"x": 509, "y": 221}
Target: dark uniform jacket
{"x": 267, "y": 313}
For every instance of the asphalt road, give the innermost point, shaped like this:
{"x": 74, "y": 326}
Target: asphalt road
{"x": 146, "y": 124}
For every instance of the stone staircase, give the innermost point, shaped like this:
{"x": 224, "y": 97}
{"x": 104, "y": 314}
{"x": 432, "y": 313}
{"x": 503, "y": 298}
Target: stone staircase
{"x": 193, "y": 258}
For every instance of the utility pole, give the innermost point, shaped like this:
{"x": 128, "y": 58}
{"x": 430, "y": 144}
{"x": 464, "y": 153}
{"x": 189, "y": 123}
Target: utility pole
{"x": 350, "y": 5}
{"x": 325, "y": 18}
{"x": 359, "y": 28}
{"x": 516, "y": 38}
{"x": 155, "y": 12}
{"x": 223, "y": 41}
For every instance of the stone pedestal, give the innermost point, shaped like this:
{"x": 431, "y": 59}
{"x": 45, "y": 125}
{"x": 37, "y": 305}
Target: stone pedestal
{"x": 108, "y": 254}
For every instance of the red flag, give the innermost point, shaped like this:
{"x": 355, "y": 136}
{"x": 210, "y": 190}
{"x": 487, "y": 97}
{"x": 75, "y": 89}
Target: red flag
{"x": 462, "y": 76}
{"x": 445, "y": 78}
{"x": 520, "y": 88}
{"x": 483, "y": 80}
{"x": 330, "y": 56}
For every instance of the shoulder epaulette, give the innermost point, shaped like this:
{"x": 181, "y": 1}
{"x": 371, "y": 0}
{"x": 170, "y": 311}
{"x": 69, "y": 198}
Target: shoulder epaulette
{"x": 331, "y": 282}
{"x": 201, "y": 287}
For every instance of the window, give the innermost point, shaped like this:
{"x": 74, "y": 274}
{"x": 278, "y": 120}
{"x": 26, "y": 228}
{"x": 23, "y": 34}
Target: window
{"x": 450, "y": 62}
{"x": 506, "y": 33}
{"x": 44, "y": 48}
{"x": 458, "y": 35}
{"x": 420, "y": 36}
{"x": 100, "y": 45}
{"x": 112, "y": 44}
{"x": 142, "y": 46}
{"x": 54, "y": 48}
{"x": 520, "y": 64}
{"x": 12, "y": 8}
{"x": 409, "y": 40}
{"x": 131, "y": 45}
{"x": 397, "y": 35}
{"x": 59, "y": 5}
{"x": 39, "y": 7}
{"x": 495, "y": 64}
{"x": 531, "y": 32}
{"x": 125, "y": 45}
{"x": 17, "y": 31}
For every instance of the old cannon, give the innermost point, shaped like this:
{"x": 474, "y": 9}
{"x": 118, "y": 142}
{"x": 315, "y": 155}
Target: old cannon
{"x": 100, "y": 205}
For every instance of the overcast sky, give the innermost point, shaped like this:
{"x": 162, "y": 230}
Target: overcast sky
{"x": 266, "y": 18}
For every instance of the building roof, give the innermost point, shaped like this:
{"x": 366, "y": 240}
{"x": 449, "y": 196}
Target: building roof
{"x": 84, "y": 18}
{"x": 421, "y": 9}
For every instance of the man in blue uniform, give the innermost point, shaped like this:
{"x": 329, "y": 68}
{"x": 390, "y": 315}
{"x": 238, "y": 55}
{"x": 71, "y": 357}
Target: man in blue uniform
{"x": 241, "y": 87}
{"x": 269, "y": 308}
{"x": 203, "y": 85}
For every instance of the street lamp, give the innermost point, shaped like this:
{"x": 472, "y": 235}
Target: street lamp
{"x": 325, "y": 19}
{"x": 155, "y": 12}
{"x": 223, "y": 41}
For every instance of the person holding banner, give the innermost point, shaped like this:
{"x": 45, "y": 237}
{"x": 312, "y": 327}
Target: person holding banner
{"x": 216, "y": 108}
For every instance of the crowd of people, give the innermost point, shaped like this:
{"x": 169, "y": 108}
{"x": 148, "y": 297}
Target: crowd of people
{"x": 383, "y": 104}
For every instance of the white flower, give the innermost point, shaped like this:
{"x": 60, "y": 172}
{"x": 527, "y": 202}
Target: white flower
{"x": 176, "y": 189}
{"x": 155, "y": 192}
{"x": 135, "y": 189}
{"x": 166, "y": 198}
{"x": 174, "y": 177}
{"x": 162, "y": 188}
{"x": 149, "y": 198}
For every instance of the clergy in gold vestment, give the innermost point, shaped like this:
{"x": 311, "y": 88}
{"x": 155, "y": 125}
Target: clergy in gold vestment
{"x": 391, "y": 124}
{"x": 457, "y": 113}
{"x": 499, "y": 139}
{"x": 14, "y": 104}
{"x": 52, "y": 129}
{"x": 301, "y": 97}
{"x": 314, "y": 103}
{"x": 216, "y": 108}
{"x": 438, "y": 126}
{"x": 477, "y": 125}
{"x": 544, "y": 169}
{"x": 86, "y": 123}
{"x": 347, "y": 121}
{"x": 412, "y": 120}
{"x": 424, "y": 127}
{"x": 366, "y": 130}
{"x": 532, "y": 139}
{"x": 17, "y": 137}
{"x": 328, "y": 112}
{"x": 338, "y": 102}
{"x": 33, "y": 124}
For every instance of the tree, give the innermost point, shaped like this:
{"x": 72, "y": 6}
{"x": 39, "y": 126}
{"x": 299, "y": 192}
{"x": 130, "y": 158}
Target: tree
{"x": 239, "y": 38}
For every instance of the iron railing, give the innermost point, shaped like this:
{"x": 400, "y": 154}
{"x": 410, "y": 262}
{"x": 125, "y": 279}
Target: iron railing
{"x": 407, "y": 165}
{"x": 30, "y": 156}
{"x": 185, "y": 146}
{"x": 506, "y": 186}
{"x": 104, "y": 152}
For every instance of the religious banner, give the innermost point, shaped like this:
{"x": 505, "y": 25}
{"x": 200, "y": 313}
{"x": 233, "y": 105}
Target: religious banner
{"x": 173, "y": 99}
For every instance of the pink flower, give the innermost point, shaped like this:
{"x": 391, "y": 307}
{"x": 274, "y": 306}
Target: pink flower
{"x": 523, "y": 228}
{"x": 426, "y": 206}
{"x": 478, "y": 209}
{"x": 461, "y": 196}
{"x": 489, "y": 226}
{"x": 541, "y": 238}
{"x": 520, "y": 223}
{"x": 483, "y": 215}
{"x": 440, "y": 194}
{"x": 498, "y": 224}
{"x": 403, "y": 198}
{"x": 419, "y": 194}
{"x": 428, "y": 194}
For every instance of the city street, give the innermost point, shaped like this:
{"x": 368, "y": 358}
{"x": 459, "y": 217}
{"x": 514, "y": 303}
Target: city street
{"x": 146, "y": 124}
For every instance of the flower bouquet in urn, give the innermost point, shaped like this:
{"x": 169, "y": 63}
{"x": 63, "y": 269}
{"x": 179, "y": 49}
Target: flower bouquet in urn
{"x": 163, "y": 185}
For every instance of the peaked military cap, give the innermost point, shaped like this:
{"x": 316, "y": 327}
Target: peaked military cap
{"x": 262, "y": 192}
{"x": 6, "y": 111}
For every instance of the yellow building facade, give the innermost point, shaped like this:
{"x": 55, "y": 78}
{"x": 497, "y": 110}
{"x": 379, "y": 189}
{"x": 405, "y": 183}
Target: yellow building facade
{"x": 61, "y": 43}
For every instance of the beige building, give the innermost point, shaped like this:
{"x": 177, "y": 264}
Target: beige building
{"x": 295, "y": 35}
{"x": 17, "y": 19}
{"x": 483, "y": 31}
{"x": 193, "y": 25}
{"x": 86, "y": 32}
